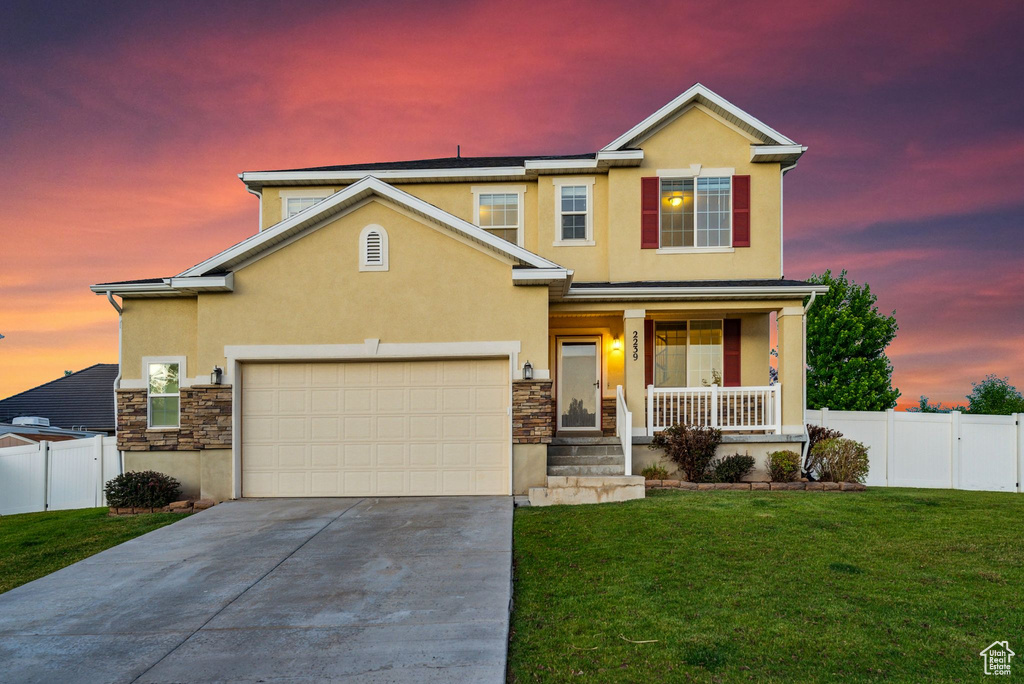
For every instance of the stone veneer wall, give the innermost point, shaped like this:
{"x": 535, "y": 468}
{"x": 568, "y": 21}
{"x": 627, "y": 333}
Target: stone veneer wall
{"x": 533, "y": 412}
{"x": 608, "y": 416}
{"x": 205, "y": 421}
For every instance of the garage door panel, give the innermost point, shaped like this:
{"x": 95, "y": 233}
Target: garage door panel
{"x": 382, "y": 428}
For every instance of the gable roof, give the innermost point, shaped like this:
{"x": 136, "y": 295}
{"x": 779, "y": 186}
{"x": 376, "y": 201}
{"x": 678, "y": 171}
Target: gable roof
{"x": 441, "y": 163}
{"x": 699, "y": 94}
{"x": 85, "y": 398}
{"x": 343, "y": 200}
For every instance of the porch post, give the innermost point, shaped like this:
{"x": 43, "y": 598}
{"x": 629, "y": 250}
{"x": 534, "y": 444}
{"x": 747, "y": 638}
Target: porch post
{"x": 633, "y": 367}
{"x": 791, "y": 372}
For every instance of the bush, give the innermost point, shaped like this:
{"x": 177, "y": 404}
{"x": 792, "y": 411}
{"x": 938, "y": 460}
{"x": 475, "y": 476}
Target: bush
{"x": 841, "y": 460}
{"x": 655, "y": 472}
{"x": 690, "y": 447}
{"x": 142, "y": 489}
{"x": 784, "y": 466}
{"x": 815, "y": 434}
{"x": 732, "y": 468}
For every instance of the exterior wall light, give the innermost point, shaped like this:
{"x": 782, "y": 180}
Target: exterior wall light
{"x": 215, "y": 375}
{"x": 527, "y": 371}
{"x": 616, "y": 344}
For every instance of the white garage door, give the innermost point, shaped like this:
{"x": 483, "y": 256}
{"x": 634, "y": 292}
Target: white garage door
{"x": 394, "y": 428}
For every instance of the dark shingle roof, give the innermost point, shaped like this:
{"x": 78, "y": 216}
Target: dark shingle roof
{"x": 85, "y": 398}
{"x": 697, "y": 283}
{"x": 440, "y": 163}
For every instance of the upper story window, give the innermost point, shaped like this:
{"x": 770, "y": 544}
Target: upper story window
{"x": 499, "y": 211}
{"x": 164, "y": 398}
{"x": 373, "y": 248}
{"x": 293, "y": 205}
{"x": 295, "y": 200}
{"x": 696, "y": 212}
{"x": 688, "y": 353}
{"x": 574, "y": 211}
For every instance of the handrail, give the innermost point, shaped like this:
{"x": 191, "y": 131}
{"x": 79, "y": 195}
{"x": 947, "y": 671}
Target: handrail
{"x": 725, "y": 408}
{"x": 624, "y": 430}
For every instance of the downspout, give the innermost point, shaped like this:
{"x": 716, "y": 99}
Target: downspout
{"x": 782, "y": 177}
{"x": 259, "y": 195}
{"x": 803, "y": 418}
{"x": 117, "y": 378}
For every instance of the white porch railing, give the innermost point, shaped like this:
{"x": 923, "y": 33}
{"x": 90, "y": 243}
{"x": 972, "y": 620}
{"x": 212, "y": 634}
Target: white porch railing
{"x": 624, "y": 429}
{"x": 726, "y": 408}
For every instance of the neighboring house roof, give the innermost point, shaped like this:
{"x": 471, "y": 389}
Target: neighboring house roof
{"x": 439, "y": 163}
{"x": 82, "y": 399}
{"x": 30, "y": 434}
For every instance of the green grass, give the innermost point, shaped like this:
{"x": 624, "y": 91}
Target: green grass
{"x": 36, "y": 544}
{"x": 883, "y": 585}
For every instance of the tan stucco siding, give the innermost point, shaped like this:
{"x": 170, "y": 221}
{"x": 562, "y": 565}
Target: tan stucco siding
{"x": 695, "y": 137}
{"x": 437, "y": 289}
{"x": 159, "y": 327}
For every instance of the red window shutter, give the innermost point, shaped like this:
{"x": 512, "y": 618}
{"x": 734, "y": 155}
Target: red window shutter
{"x": 650, "y": 198}
{"x": 648, "y": 352}
{"x": 741, "y": 211}
{"x": 731, "y": 352}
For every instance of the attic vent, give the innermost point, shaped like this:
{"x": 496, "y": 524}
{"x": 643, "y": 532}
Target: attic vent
{"x": 373, "y": 249}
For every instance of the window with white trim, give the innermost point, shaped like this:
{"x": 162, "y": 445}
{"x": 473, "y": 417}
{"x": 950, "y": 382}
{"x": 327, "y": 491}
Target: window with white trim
{"x": 696, "y": 212}
{"x": 498, "y": 214}
{"x": 164, "y": 398}
{"x": 688, "y": 353}
{"x": 373, "y": 248}
{"x": 573, "y": 201}
{"x": 293, "y": 205}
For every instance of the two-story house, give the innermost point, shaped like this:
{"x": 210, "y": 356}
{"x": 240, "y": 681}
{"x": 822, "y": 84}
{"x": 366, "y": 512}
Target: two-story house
{"x": 475, "y": 325}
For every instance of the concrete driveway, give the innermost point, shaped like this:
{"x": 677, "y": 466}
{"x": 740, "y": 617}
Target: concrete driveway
{"x": 374, "y": 590}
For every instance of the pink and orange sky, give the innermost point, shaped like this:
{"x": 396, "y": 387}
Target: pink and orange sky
{"x": 123, "y": 126}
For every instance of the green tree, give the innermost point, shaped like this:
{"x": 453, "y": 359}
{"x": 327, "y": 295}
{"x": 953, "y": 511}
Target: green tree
{"x": 925, "y": 406}
{"x": 994, "y": 396}
{"x": 846, "y": 340}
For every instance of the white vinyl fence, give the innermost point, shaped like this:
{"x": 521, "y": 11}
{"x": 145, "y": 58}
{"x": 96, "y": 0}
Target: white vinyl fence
{"x": 941, "y": 450}
{"x": 52, "y": 476}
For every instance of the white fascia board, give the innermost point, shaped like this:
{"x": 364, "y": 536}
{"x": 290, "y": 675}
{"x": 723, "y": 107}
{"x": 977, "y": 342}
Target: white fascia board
{"x": 621, "y": 157}
{"x": 539, "y": 276}
{"x": 163, "y": 287}
{"x": 224, "y": 283}
{"x": 763, "y": 152}
{"x": 634, "y": 293}
{"x": 170, "y": 286}
{"x": 365, "y": 187}
{"x": 693, "y": 93}
{"x": 548, "y": 164}
{"x": 392, "y": 174}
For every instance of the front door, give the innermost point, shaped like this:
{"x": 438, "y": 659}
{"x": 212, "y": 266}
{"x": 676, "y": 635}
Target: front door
{"x": 579, "y": 383}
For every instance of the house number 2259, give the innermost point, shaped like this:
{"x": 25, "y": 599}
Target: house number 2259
{"x": 636, "y": 345}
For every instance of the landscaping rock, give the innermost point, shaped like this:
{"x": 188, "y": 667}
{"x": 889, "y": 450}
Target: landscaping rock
{"x": 788, "y": 486}
{"x": 733, "y": 486}
{"x": 178, "y": 505}
{"x": 830, "y": 486}
{"x": 691, "y": 486}
{"x": 851, "y": 487}
{"x": 203, "y": 504}
{"x": 760, "y": 486}
{"x": 704, "y": 486}
{"x": 670, "y": 483}
{"x": 815, "y": 487}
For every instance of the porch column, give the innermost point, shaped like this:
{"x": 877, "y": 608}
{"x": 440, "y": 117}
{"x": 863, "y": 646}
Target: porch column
{"x": 791, "y": 368}
{"x": 633, "y": 367}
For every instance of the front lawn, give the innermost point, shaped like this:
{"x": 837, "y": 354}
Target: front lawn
{"x": 888, "y": 584}
{"x": 36, "y": 544}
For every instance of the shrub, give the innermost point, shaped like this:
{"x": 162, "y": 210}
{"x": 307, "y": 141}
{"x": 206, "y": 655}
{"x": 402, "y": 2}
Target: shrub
{"x": 732, "y": 468}
{"x": 142, "y": 489}
{"x": 815, "y": 434}
{"x": 655, "y": 472}
{"x": 784, "y": 466}
{"x": 841, "y": 460}
{"x": 690, "y": 447}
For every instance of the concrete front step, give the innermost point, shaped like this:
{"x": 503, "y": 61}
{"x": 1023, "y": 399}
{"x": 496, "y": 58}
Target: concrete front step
{"x": 583, "y": 449}
{"x": 586, "y": 459}
{"x": 580, "y": 490}
{"x": 569, "y": 441}
{"x": 584, "y": 470}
